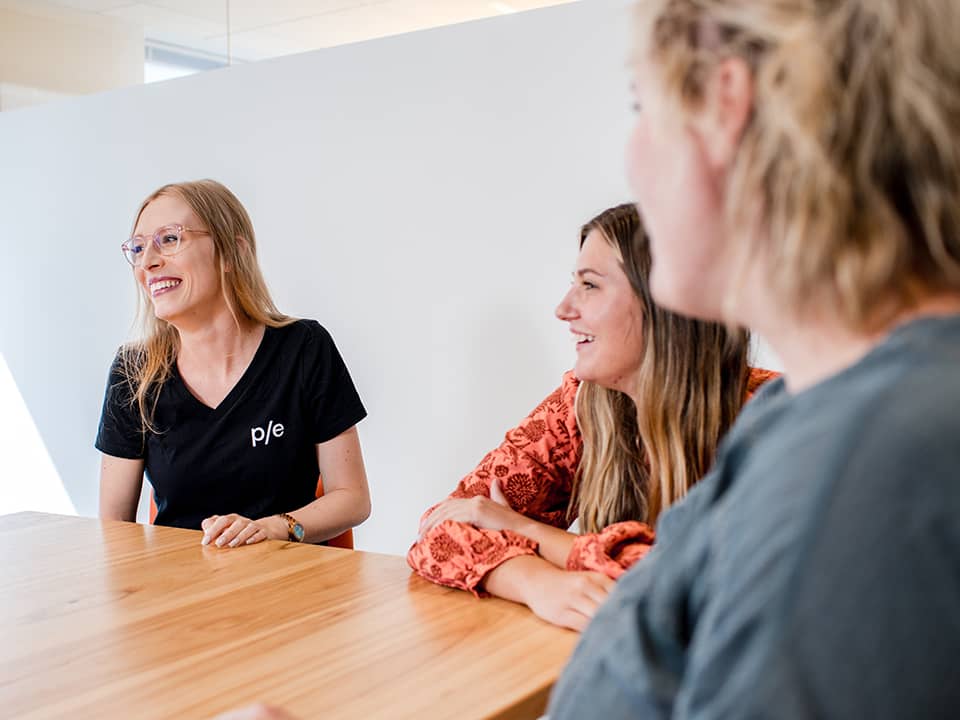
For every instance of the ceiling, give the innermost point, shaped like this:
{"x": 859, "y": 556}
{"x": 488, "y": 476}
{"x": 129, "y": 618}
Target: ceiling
{"x": 247, "y": 30}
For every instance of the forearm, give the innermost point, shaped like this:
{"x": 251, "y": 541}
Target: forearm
{"x": 512, "y": 579}
{"x": 555, "y": 544}
{"x": 326, "y": 517}
{"x": 567, "y": 599}
{"x": 459, "y": 555}
{"x": 334, "y": 513}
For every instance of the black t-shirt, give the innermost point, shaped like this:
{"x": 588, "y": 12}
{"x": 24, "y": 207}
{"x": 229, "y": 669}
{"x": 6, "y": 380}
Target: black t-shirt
{"x": 255, "y": 454}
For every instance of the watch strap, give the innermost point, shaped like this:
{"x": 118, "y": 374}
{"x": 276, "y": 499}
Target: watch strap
{"x": 292, "y": 523}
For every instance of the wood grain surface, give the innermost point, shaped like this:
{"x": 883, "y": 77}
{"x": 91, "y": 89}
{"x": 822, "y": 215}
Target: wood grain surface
{"x": 109, "y": 619}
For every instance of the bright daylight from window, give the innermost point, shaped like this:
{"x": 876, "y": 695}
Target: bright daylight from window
{"x": 29, "y": 478}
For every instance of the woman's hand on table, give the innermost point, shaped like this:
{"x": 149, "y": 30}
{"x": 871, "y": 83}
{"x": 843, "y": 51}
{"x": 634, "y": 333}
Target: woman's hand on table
{"x": 561, "y": 597}
{"x": 569, "y": 599}
{"x": 235, "y": 530}
{"x": 491, "y": 513}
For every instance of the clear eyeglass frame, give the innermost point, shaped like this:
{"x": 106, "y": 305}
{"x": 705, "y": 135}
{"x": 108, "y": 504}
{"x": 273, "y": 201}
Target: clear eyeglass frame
{"x": 166, "y": 240}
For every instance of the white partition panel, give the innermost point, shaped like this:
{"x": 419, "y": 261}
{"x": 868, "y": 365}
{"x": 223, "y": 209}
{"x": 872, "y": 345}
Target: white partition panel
{"x": 419, "y": 195}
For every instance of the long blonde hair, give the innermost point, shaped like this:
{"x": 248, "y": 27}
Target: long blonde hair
{"x": 691, "y": 384}
{"x": 851, "y": 155}
{"x": 148, "y": 362}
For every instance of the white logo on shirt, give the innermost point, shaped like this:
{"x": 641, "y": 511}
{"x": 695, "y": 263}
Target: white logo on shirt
{"x": 259, "y": 435}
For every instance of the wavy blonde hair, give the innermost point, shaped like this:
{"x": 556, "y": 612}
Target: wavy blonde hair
{"x": 692, "y": 382}
{"x": 148, "y": 362}
{"x": 851, "y": 153}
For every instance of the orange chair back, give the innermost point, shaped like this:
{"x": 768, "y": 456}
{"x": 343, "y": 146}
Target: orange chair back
{"x": 343, "y": 540}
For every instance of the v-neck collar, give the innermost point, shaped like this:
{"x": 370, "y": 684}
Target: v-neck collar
{"x": 239, "y": 387}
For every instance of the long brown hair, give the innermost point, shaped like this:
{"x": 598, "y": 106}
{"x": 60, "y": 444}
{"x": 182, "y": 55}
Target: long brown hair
{"x": 147, "y": 362}
{"x": 691, "y": 384}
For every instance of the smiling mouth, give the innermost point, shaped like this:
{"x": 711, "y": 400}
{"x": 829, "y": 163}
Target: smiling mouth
{"x": 581, "y": 340}
{"x": 163, "y": 286}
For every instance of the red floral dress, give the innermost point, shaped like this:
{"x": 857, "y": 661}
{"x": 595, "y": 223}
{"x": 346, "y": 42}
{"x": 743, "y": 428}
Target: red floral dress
{"x": 535, "y": 464}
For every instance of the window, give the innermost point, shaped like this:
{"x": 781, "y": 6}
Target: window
{"x": 29, "y": 478}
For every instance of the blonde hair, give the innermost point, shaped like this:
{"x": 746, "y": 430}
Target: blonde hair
{"x": 851, "y": 153}
{"x": 148, "y": 362}
{"x": 692, "y": 382}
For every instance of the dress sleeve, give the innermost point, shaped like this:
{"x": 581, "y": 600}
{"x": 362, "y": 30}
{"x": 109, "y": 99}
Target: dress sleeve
{"x": 613, "y": 550}
{"x": 759, "y": 376}
{"x": 617, "y": 547}
{"x": 120, "y": 433}
{"x": 535, "y": 464}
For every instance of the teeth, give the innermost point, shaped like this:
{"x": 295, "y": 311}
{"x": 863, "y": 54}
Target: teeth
{"x": 579, "y": 338}
{"x": 163, "y": 285}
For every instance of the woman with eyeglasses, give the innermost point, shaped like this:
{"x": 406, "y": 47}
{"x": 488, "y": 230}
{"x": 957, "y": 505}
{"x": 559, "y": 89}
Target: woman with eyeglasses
{"x": 233, "y": 410}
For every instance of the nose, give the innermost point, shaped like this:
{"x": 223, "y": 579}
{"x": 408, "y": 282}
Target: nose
{"x": 151, "y": 256}
{"x": 567, "y": 310}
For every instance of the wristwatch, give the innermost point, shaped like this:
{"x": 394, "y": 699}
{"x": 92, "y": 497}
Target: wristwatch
{"x": 295, "y": 531}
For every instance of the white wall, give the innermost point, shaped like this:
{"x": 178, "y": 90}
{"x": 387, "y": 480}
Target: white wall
{"x": 419, "y": 195}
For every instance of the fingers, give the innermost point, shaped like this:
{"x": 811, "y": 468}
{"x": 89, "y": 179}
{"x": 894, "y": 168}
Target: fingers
{"x": 567, "y": 599}
{"x": 231, "y": 531}
{"x": 251, "y": 534}
{"x": 595, "y": 586}
{"x": 256, "y": 712}
{"x": 432, "y": 520}
{"x": 477, "y": 510}
{"x": 605, "y": 582}
{"x": 584, "y": 605}
{"x": 591, "y": 591}
{"x": 214, "y": 525}
{"x": 574, "y": 620}
{"x": 447, "y": 510}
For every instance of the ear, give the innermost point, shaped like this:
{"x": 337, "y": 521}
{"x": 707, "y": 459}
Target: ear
{"x": 728, "y": 103}
{"x": 242, "y": 247}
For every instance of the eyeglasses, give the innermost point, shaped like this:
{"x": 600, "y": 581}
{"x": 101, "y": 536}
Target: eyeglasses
{"x": 166, "y": 240}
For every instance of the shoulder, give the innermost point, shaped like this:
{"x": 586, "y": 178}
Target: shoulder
{"x": 569, "y": 387}
{"x": 124, "y": 368}
{"x": 552, "y": 423}
{"x": 905, "y": 427}
{"x": 129, "y": 357}
{"x": 562, "y": 401}
{"x": 848, "y": 503}
{"x": 877, "y": 441}
{"x": 303, "y": 329}
{"x": 303, "y": 336}
{"x": 893, "y": 407}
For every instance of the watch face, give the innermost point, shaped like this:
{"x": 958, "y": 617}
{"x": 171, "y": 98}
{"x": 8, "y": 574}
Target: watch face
{"x": 298, "y": 532}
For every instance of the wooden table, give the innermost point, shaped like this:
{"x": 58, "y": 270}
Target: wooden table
{"x": 114, "y": 620}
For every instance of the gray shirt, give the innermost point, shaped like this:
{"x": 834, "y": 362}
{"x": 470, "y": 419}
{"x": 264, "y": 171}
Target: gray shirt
{"x": 814, "y": 573}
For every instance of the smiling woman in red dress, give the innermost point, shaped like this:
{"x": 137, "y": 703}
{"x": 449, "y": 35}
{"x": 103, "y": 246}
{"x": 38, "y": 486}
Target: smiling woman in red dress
{"x": 627, "y": 433}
